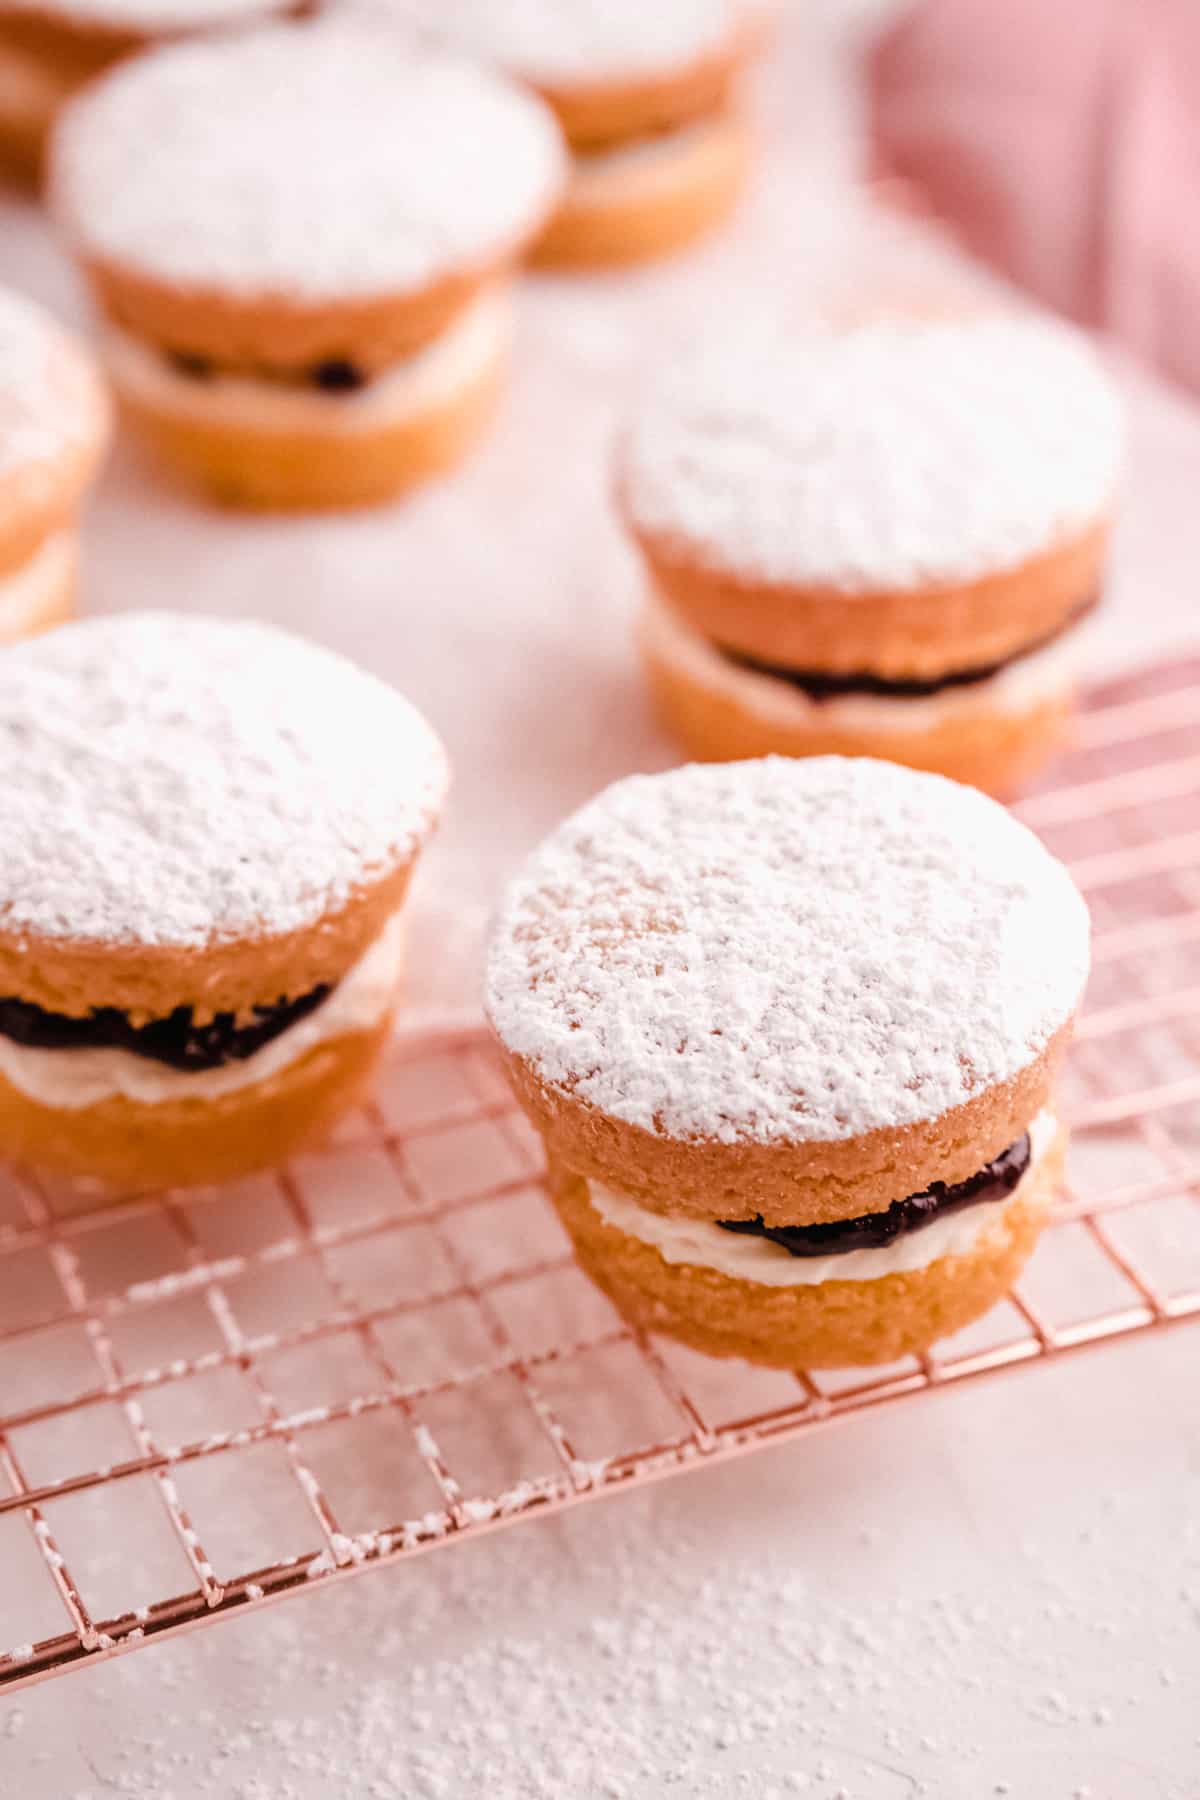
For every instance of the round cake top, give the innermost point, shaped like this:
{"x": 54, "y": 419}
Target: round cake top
{"x": 52, "y": 404}
{"x": 177, "y": 781}
{"x": 781, "y": 952}
{"x": 897, "y": 454}
{"x": 148, "y": 17}
{"x": 312, "y": 162}
{"x": 567, "y": 43}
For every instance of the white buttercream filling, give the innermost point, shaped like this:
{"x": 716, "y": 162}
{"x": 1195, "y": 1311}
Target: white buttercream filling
{"x": 707, "y": 1246}
{"x": 27, "y": 591}
{"x": 433, "y": 374}
{"x": 1016, "y": 688}
{"x": 647, "y": 161}
{"x": 71, "y": 1079}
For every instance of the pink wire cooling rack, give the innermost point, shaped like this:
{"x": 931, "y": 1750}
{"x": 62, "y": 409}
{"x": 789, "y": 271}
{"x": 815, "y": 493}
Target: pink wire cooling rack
{"x": 213, "y": 1398}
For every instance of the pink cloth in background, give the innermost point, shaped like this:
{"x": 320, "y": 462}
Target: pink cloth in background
{"x": 1060, "y": 140}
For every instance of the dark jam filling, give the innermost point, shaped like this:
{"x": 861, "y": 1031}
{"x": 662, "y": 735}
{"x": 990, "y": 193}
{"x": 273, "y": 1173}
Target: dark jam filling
{"x": 819, "y": 684}
{"x": 336, "y": 375}
{"x": 176, "y": 1040}
{"x": 872, "y": 1231}
{"x": 190, "y": 362}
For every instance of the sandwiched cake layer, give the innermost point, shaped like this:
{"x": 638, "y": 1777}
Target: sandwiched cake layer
{"x": 789, "y": 1032}
{"x": 334, "y": 397}
{"x": 906, "y": 498}
{"x": 799, "y": 989}
{"x": 317, "y": 191}
{"x": 944, "y": 1220}
{"x": 826, "y": 684}
{"x": 304, "y": 284}
{"x": 68, "y": 1062}
{"x": 648, "y": 195}
{"x": 646, "y": 98}
{"x": 211, "y": 830}
{"x": 874, "y": 540}
{"x": 865, "y": 1307}
{"x": 992, "y": 733}
{"x": 199, "y": 813}
{"x": 195, "y": 1134}
{"x": 789, "y": 698}
{"x": 176, "y": 1041}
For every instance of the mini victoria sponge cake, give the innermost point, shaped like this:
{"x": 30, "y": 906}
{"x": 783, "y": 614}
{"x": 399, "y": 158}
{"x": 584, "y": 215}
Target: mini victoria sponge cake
{"x": 646, "y": 95}
{"x": 790, "y": 1032}
{"x": 875, "y": 541}
{"x": 54, "y": 429}
{"x": 50, "y": 48}
{"x": 306, "y": 285}
{"x": 209, "y": 829}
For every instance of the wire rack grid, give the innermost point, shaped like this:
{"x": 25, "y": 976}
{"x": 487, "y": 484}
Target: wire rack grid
{"x": 215, "y": 1398}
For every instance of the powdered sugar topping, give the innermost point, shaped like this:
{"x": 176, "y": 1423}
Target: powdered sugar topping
{"x": 41, "y": 414}
{"x": 779, "y": 951}
{"x": 573, "y": 42}
{"x": 896, "y": 454}
{"x": 314, "y": 162}
{"x": 175, "y": 780}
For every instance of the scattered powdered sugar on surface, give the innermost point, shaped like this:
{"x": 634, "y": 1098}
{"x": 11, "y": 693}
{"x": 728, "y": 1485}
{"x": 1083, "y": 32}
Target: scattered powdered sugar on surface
{"x": 175, "y": 780}
{"x": 567, "y": 41}
{"x": 309, "y": 160}
{"x": 665, "y": 1652}
{"x": 777, "y": 951}
{"x": 39, "y": 414}
{"x": 895, "y": 454}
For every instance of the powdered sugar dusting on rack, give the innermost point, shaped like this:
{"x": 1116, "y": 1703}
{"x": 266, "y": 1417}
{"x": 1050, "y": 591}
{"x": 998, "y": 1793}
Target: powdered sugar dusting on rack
{"x": 313, "y": 161}
{"x": 778, "y": 951}
{"x": 894, "y": 455}
{"x": 573, "y": 42}
{"x": 40, "y": 407}
{"x": 172, "y": 780}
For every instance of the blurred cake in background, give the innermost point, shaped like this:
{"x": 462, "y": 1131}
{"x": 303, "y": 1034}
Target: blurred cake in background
{"x": 48, "y": 48}
{"x": 647, "y": 97}
{"x": 878, "y": 540}
{"x": 54, "y": 428}
{"x": 301, "y": 241}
